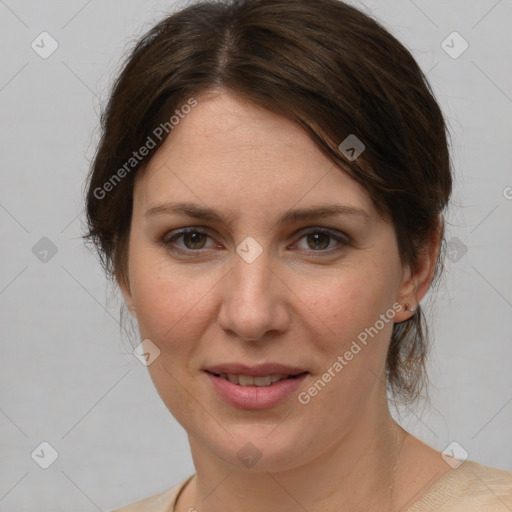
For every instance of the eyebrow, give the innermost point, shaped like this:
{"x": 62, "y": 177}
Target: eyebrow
{"x": 293, "y": 215}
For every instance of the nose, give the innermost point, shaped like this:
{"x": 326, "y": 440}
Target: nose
{"x": 254, "y": 301}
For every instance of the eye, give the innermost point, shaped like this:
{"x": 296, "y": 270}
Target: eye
{"x": 189, "y": 240}
{"x": 321, "y": 240}
{"x": 193, "y": 239}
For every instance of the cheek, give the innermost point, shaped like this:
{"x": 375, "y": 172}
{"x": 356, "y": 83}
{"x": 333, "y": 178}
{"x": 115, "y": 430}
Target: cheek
{"x": 347, "y": 309}
{"x": 173, "y": 302}
{"x": 173, "y": 307}
{"x": 348, "y": 302}
{"x": 354, "y": 349}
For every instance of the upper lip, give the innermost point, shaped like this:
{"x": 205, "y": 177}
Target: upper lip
{"x": 257, "y": 370}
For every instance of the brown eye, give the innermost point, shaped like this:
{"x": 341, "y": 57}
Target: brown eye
{"x": 318, "y": 241}
{"x": 321, "y": 242}
{"x": 194, "y": 240}
{"x": 187, "y": 240}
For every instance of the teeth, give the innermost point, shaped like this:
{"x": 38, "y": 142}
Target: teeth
{"x": 247, "y": 380}
{"x": 231, "y": 377}
{"x": 263, "y": 381}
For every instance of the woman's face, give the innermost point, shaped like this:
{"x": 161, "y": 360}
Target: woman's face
{"x": 257, "y": 280}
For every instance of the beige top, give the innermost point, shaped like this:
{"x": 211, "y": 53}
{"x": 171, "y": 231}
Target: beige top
{"x": 471, "y": 487}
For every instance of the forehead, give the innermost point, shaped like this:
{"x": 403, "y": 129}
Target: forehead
{"x": 233, "y": 153}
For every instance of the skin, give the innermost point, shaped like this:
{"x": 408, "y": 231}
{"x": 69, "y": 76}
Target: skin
{"x": 297, "y": 303}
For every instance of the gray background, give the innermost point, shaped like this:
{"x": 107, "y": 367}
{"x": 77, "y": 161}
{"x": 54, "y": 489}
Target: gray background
{"x": 68, "y": 376}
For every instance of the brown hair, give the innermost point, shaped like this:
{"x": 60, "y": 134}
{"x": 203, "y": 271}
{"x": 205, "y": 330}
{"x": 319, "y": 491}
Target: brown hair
{"x": 322, "y": 64}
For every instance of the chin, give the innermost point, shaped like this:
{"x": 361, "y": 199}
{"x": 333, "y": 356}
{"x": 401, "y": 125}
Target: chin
{"x": 259, "y": 447}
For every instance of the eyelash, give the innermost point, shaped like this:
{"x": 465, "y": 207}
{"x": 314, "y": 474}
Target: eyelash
{"x": 169, "y": 240}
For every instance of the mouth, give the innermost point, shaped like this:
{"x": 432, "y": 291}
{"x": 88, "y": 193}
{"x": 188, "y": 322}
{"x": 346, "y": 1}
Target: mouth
{"x": 259, "y": 381}
{"x": 267, "y": 387}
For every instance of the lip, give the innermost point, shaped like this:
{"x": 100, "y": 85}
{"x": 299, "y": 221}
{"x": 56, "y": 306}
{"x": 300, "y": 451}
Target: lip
{"x": 257, "y": 370}
{"x": 254, "y": 397}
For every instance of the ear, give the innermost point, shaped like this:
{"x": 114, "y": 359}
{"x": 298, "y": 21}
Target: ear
{"x": 416, "y": 281}
{"x": 124, "y": 286}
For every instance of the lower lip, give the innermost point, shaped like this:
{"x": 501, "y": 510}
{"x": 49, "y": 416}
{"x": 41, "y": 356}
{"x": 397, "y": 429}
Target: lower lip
{"x": 255, "y": 397}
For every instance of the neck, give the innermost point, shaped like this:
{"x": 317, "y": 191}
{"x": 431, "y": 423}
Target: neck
{"x": 357, "y": 472}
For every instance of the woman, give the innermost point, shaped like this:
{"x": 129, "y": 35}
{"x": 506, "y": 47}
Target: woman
{"x": 268, "y": 195}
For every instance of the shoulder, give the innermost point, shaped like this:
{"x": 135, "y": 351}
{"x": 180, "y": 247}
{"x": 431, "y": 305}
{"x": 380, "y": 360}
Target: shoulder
{"x": 470, "y": 487}
{"x": 161, "y": 502}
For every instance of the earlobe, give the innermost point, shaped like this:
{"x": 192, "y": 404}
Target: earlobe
{"x": 407, "y": 297}
{"x": 409, "y": 308}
